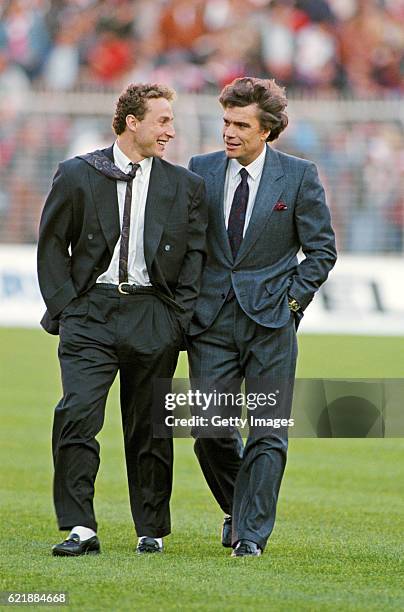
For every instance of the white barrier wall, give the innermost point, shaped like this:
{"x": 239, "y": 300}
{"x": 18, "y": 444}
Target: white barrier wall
{"x": 364, "y": 295}
{"x": 21, "y": 304}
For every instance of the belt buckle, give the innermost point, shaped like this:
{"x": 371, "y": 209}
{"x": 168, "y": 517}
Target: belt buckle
{"x": 120, "y": 289}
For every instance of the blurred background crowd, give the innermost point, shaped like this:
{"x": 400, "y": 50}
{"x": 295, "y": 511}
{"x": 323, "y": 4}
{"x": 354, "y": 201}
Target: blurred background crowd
{"x": 319, "y": 49}
{"x": 199, "y": 45}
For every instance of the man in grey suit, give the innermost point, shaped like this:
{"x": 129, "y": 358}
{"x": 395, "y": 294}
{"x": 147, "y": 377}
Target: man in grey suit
{"x": 264, "y": 206}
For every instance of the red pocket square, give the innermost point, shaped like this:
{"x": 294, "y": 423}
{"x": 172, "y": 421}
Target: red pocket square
{"x": 280, "y": 206}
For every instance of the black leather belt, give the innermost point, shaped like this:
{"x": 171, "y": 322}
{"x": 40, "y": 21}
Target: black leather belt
{"x": 128, "y": 289}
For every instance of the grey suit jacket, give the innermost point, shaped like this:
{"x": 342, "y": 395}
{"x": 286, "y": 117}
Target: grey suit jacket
{"x": 289, "y": 213}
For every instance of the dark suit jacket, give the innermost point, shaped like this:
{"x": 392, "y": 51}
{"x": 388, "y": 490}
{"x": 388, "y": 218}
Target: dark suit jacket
{"x": 80, "y": 227}
{"x": 289, "y": 213}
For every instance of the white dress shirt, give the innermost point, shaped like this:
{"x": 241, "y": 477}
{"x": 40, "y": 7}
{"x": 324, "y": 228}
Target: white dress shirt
{"x": 137, "y": 271}
{"x": 233, "y": 179}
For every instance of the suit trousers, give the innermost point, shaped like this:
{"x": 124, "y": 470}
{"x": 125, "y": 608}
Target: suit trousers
{"x": 245, "y": 480}
{"x": 102, "y": 332}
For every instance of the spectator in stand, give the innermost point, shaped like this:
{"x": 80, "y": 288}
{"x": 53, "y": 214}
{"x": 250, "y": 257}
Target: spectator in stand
{"x": 278, "y": 26}
{"x": 110, "y": 57}
{"x": 372, "y": 49}
{"x": 26, "y": 32}
{"x": 316, "y": 57}
{"x": 63, "y": 64}
{"x": 232, "y": 45}
{"x": 14, "y": 83}
{"x": 181, "y": 24}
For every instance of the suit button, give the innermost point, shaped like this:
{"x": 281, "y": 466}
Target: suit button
{"x": 222, "y": 295}
{"x": 90, "y": 236}
{"x": 167, "y": 247}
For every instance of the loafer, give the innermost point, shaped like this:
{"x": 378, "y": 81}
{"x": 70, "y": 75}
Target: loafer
{"x": 226, "y": 532}
{"x": 246, "y": 548}
{"x": 147, "y": 546}
{"x": 74, "y": 547}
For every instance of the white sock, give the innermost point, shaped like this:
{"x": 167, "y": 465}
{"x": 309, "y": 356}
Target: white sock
{"x": 158, "y": 540}
{"x": 84, "y": 533}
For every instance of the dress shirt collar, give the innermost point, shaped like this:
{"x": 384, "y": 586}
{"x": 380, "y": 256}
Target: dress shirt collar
{"x": 254, "y": 169}
{"x": 123, "y": 162}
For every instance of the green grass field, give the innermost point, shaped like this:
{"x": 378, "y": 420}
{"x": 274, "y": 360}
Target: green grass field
{"x": 337, "y": 544}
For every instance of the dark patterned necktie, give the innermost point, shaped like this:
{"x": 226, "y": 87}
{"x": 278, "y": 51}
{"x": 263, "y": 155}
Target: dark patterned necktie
{"x": 235, "y": 227}
{"x": 124, "y": 246}
{"x": 104, "y": 164}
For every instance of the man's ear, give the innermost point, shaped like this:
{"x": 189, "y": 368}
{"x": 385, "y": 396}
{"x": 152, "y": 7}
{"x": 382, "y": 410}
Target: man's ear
{"x": 131, "y": 122}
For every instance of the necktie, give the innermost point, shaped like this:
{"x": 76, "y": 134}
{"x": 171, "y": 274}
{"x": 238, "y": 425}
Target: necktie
{"x": 124, "y": 246}
{"x": 238, "y": 209}
{"x": 104, "y": 164}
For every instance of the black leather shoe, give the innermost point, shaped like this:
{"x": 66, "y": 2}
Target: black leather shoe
{"x": 246, "y": 548}
{"x": 148, "y": 545}
{"x": 226, "y": 532}
{"x": 73, "y": 547}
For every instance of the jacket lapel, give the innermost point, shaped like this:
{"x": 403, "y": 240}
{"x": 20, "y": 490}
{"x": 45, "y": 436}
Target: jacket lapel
{"x": 160, "y": 198}
{"x": 106, "y": 203}
{"x": 215, "y": 189}
{"x": 271, "y": 185}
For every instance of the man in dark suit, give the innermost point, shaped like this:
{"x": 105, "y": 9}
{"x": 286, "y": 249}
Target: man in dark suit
{"x": 264, "y": 206}
{"x": 120, "y": 254}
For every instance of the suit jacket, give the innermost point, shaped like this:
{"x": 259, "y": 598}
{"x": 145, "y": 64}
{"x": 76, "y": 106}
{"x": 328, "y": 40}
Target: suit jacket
{"x": 80, "y": 227}
{"x": 289, "y": 213}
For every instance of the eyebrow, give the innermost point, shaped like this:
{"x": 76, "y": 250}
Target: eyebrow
{"x": 239, "y": 123}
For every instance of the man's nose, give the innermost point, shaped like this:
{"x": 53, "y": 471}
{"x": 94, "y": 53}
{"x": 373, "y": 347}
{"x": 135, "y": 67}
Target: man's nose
{"x": 229, "y": 132}
{"x": 170, "y": 132}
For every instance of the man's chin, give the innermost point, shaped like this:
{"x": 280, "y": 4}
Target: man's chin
{"x": 156, "y": 152}
{"x": 232, "y": 153}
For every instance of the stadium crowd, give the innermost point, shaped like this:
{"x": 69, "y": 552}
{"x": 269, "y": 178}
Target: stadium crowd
{"x": 319, "y": 47}
{"x": 199, "y": 45}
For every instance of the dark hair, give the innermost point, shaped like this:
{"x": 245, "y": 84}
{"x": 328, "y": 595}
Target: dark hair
{"x": 266, "y": 94}
{"x": 133, "y": 101}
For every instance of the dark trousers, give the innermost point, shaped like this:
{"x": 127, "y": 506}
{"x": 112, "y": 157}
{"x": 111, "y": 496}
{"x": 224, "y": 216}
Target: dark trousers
{"x": 245, "y": 481}
{"x": 100, "y": 333}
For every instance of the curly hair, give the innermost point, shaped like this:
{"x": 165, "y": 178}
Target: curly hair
{"x": 266, "y": 94}
{"x": 133, "y": 101}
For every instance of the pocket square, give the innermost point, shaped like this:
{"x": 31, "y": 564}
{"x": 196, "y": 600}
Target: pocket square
{"x": 280, "y": 206}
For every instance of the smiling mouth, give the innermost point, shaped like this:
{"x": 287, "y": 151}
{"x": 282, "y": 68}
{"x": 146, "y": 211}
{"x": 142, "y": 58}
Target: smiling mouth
{"x": 162, "y": 142}
{"x": 231, "y": 145}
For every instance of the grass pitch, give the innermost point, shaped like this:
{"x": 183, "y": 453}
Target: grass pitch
{"x": 337, "y": 543}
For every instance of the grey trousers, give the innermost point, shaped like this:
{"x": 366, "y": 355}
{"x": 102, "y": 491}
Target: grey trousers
{"x": 245, "y": 481}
